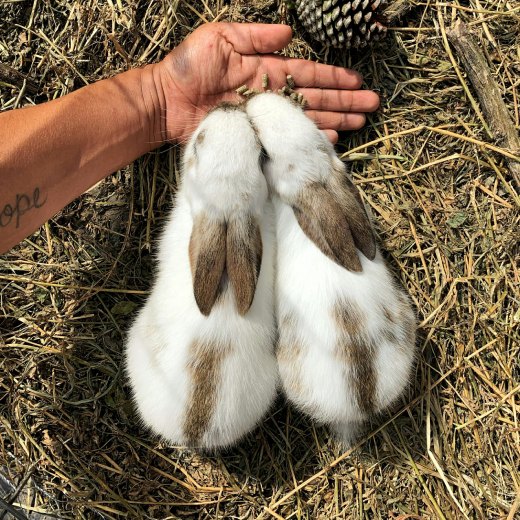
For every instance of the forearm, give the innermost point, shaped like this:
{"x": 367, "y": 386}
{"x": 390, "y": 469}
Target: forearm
{"x": 53, "y": 152}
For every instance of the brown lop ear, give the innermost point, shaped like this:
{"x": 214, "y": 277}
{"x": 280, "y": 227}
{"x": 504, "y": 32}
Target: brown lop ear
{"x": 322, "y": 220}
{"x": 349, "y": 199}
{"x": 207, "y": 252}
{"x": 243, "y": 260}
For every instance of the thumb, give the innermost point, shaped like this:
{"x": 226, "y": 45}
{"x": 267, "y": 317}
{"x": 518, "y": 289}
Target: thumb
{"x": 255, "y": 38}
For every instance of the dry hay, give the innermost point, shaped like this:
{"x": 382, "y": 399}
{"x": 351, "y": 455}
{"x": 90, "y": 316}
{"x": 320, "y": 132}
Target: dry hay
{"x": 447, "y": 214}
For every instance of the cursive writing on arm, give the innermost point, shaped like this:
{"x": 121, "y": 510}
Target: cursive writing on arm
{"x": 12, "y": 212}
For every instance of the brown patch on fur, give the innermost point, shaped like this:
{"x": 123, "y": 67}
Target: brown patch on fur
{"x": 389, "y": 326}
{"x": 389, "y": 329}
{"x": 287, "y": 328}
{"x": 390, "y": 336}
{"x": 190, "y": 162}
{"x": 289, "y": 354}
{"x": 193, "y": 249}
{"x": 410, "y": 329}
{"x": 400, "y": 326}
{"x": 358, "y": 353}
{"x": 243, "y": 260}
{"x": 200, "y": 138}
{"x": 204, "y": 369}
{"x": 288, "y": 321}
{"x": 409, "y": 323}
{"x": 321, "y": 218}
{"x": 388, "y": 315}
{"x": 207, "y": 251}
{"x": 289, "y": 350}
{"x": 348, "y": 197}
{"x": 324, "y": 148}
{"x": 349, "y": 318}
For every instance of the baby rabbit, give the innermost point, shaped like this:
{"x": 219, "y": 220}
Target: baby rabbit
{"x": 200, "y": 355}
{"x": 346, "y": 331}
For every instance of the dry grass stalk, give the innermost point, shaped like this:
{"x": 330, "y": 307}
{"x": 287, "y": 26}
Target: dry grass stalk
{"x": 396, "y": 10}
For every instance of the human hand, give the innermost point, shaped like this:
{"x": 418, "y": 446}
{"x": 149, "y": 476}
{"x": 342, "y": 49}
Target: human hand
{"x": 217, "y": 58}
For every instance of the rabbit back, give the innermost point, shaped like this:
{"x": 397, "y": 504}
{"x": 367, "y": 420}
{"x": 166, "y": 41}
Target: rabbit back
{"x": 200, "y": 355}
{"x": 347, "y": 332}
{"x": 202, "y": 380}
{"x": 346, "y": 344}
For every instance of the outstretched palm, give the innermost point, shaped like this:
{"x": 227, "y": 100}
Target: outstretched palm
{"x": 214, "y": 60}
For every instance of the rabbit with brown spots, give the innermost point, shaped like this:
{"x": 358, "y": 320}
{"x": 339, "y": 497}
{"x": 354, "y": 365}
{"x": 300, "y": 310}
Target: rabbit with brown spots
{"x": 346, "y": 330}
{"x": 200, "y": 355}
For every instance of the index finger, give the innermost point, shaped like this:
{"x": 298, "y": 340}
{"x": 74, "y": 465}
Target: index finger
{"x": 253, "y": 38}
{"x": 318, "y": 75}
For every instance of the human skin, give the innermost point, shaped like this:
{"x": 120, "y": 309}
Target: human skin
{"x": 51, "y": 153}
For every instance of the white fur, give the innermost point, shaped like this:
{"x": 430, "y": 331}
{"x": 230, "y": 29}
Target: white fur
{"x": 291, "y": 140}
{"x": 309, "y": 284}
{"x": 224, "y": 180}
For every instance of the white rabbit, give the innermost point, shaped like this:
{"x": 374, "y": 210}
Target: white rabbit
{"x": 200, "y": 355}
{"x": 346, "y": 331}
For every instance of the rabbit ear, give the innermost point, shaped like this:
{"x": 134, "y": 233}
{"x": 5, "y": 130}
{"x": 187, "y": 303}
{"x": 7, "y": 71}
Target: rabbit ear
{"x": 207, "y": 252}
{"x": 243, "y": 259}
{"x": 322, "y": 219}
{"x": 349, "y": 199}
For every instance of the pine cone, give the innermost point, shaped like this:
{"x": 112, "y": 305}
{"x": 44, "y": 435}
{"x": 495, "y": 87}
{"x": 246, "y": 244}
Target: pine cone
{"x": 342, "y": 24}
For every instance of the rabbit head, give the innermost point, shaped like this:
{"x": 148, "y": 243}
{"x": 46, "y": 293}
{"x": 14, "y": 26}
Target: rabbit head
{"x": 303, "y": 169}
{"x": 227, "y": 192}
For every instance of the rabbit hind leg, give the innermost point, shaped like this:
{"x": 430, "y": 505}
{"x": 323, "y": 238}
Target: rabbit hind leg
{"x": 347, "y": 432}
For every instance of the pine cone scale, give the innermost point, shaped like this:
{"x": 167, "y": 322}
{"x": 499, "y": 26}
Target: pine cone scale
{"x": 342, "y": 24}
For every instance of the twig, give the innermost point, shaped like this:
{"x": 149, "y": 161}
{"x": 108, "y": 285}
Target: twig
{"x": 397, "y": 10}
{"x": 16, "y": 79}
{"x": 488, "y": 92}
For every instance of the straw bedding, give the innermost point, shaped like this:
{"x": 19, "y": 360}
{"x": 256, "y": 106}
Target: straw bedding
{"x": 447, "y": 214}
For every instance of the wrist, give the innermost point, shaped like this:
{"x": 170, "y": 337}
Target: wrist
{"x": 180, "y": 110}
{"x": 152, "y": 106}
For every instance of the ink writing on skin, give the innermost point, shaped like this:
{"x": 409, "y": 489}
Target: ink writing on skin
{"x": 11, "y": 213}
